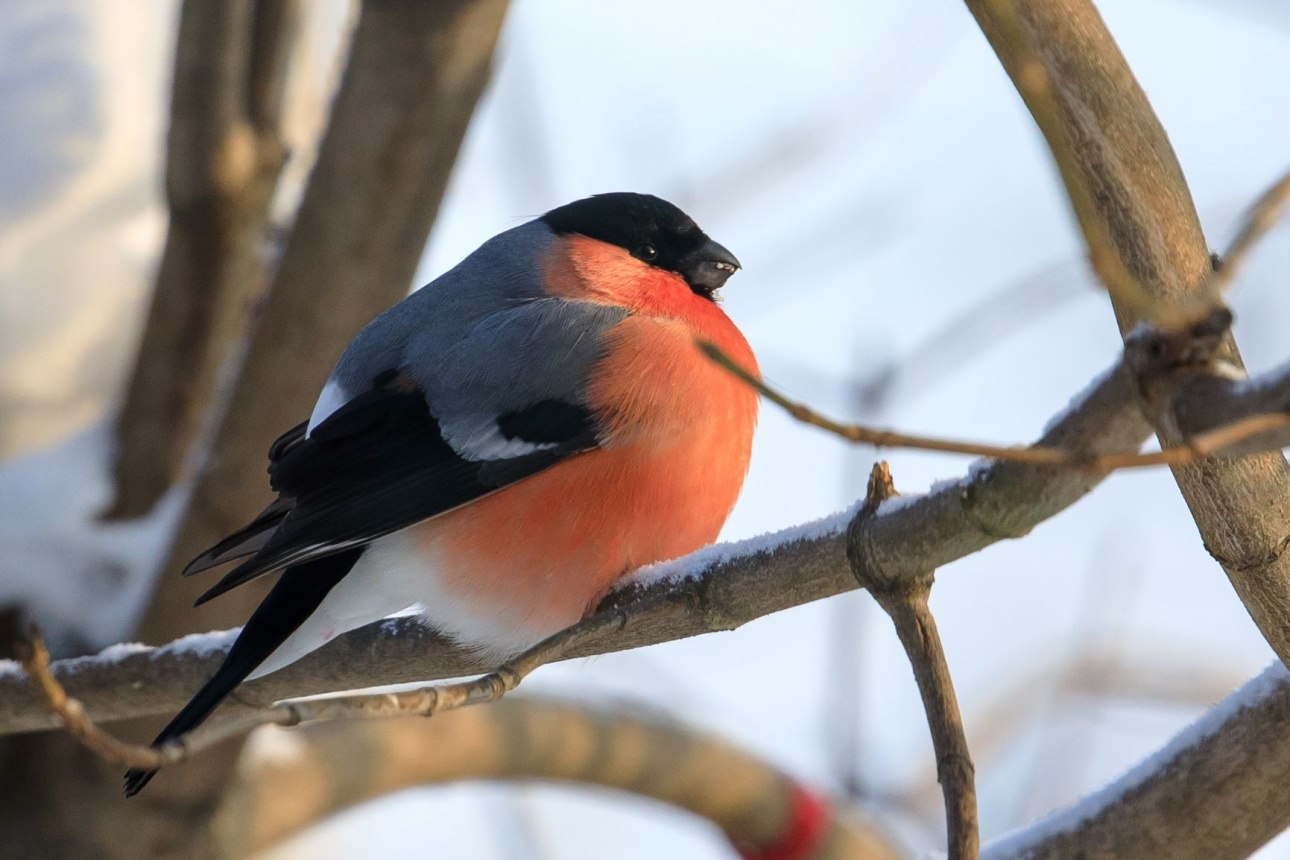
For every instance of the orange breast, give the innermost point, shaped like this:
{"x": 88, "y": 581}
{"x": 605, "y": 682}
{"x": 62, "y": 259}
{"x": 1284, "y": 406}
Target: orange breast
{"x": 539, "y": 554}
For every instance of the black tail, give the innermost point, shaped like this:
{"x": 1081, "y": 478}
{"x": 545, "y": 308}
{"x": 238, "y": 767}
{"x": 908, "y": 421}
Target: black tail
{"x": 296, "y": 595}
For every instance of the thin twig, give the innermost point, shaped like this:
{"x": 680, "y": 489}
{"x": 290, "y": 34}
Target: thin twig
{"x": 1197, "y": 448}
{"x": 906, "y": 601}
{"x": 35, "y": 661}
{"x": 424, "y": 701}
{"x": 1271, "y": 206}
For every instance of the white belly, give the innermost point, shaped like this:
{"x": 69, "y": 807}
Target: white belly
{"x": 393, "y": 575}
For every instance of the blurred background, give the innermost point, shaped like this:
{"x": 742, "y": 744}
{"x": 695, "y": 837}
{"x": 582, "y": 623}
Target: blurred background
{"x": 909, "y": 261}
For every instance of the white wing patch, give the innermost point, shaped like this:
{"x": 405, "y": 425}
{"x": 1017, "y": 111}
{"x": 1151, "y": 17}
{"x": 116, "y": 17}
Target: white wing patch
{"x": 477, "y": 437}
{"x": 474, "y": 437}
{"x": 332, "y": 398}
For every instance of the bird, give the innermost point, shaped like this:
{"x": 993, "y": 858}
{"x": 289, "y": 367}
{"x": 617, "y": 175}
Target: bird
{"x": 502, "y": 446}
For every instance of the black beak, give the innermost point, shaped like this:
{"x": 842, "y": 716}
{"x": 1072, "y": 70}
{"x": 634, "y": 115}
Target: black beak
{"x": 708, "y": 268}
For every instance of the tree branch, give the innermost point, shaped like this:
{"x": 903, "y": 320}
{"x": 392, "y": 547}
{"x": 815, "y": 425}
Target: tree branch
{"x": 415, "y": 73}
{"x": 1262, "y": 216}
{"x": 422, "y": 702}
{"x": 1111, "y": 135}
{"x": 757, "y": 806}
{"x": 1122, "y": 178}
{"x": 1217, "y": 792}
{"x": 730, "y": 585}
{"x": 906, "y": 602}
{"x": 1222, "y": 438}
{"x": 223, "y": 157}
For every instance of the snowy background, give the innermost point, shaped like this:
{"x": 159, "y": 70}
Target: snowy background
{"x": 909, "y": 261}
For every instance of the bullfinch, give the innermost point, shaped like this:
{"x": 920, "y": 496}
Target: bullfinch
{"x": 501, "y": 446}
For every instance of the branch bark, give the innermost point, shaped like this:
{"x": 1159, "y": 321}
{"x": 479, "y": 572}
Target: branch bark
{"x": 416, "y": 71}
{"x": 328, "y": 767}
{"x": 1217, "y": 792}
{"x": 727, "y": 586}
{"x": 1241, "y": 506}
{"x": 907, "y": 603}
{"x": 223, "y": 157}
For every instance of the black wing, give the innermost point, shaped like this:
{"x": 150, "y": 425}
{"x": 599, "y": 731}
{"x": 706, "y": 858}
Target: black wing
{"x": 378, "y": 464}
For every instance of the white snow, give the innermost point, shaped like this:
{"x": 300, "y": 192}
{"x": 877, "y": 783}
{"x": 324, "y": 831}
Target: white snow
{"x": 82, "y": 580}
{"x": 1077, "y": 400}
{"x": 201, "y": 644}
{"x": 695, "y": 564}
{"x": 274, "y": 745}
{"x": 1016, "y": 843}
{"x": 196, "y": 644}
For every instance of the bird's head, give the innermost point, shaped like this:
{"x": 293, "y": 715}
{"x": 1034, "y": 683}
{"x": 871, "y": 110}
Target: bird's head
{"x": 617, "y": 238}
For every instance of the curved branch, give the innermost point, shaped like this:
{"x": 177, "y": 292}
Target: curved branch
{"x": 907, "y": 603}
{"x": 757, "y": 806}
{"x": 1109, "y": 132}
{"x": 1217, "y": 792}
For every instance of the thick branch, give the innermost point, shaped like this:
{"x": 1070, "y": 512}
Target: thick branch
{"x": 224, "y": 154}
{"x": 331, "y": 766}
{"x": 1217, "y": 792}
{"x": 414, "y": 75}
{"x": 731, "y": 585}
{"x": 1242, "y": 506}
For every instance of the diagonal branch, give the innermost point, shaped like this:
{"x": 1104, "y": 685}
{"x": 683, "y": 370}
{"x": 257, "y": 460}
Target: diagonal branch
{"x": 725, "y": 586}
{"x": 422, "y": 702}
{"x": 1112, "y": 136}
{"x": 1218, "y": 791}
{"x": 1261, "y": 217}
{"x": 1221, "y": 438}
{"x": 1122, "y": 178}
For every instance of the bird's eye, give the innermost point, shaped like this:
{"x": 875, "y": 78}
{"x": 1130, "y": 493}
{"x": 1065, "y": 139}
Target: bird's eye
{"x": 647, "y": 252}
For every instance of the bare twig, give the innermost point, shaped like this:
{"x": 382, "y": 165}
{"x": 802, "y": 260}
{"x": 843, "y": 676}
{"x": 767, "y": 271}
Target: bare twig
{"x": 905, "y": 599}
{"x": 35, "y": 661}
{"x": 1121, "y": 177}
{"x": 1204, "y": 445}
{"x": 1261, "y": 217}
{"x": 1037, "y": 89}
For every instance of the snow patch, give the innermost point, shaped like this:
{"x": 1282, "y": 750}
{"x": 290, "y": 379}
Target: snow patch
{"x": 1251, "y": 694}
{"x": 274, "y": 745}
{"x": 84, "y": 581}
{"x": 694, "y": 565}
{"x": 201, "y": 644}
{"x": 118, "y": 652}
{"x": 1080, "y": 397}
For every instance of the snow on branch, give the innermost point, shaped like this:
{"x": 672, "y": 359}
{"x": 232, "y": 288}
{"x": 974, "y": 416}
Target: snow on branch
{"x": 1220, "y": 789}
{"x": 720, "y": 587}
